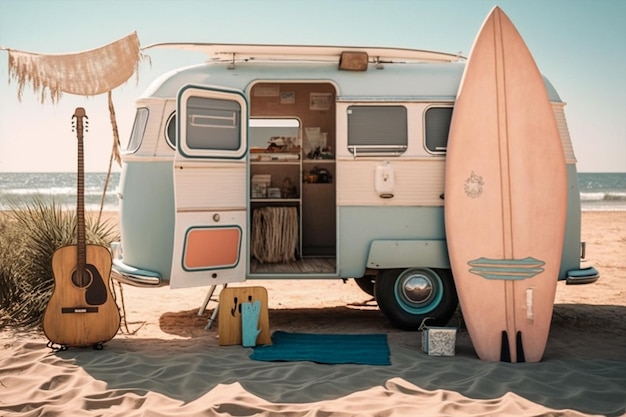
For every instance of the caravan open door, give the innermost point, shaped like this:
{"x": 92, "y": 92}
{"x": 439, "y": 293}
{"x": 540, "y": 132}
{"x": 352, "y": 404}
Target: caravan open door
{"x": 210, "y": 188}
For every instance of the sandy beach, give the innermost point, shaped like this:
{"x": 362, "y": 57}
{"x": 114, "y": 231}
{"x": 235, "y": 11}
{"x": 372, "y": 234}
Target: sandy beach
{"x": 165, "y": 363}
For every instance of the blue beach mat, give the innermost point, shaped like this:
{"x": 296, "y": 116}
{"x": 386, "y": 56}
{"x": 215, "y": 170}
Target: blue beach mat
{"x": 363, "y": 349}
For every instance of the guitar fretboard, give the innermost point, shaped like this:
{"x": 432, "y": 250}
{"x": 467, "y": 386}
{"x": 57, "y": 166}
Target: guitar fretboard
{"x": 81, "y": 243}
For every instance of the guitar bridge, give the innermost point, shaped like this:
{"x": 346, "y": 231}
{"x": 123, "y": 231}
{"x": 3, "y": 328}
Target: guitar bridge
{"x": 78, "y": 310}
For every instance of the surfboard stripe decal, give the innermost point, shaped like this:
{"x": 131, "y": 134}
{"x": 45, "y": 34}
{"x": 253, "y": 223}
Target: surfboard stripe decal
{"x": 506, "y": 269}
{"x": 525, "y": 262}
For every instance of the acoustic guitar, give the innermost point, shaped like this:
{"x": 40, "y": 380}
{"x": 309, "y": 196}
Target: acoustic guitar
{"x": 81, "y": 310}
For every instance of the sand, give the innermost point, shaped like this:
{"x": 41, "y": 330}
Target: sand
{"x": 166, "y": 364}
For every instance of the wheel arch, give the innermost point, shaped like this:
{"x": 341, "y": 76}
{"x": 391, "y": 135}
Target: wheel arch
{"x": 391, "y": 254}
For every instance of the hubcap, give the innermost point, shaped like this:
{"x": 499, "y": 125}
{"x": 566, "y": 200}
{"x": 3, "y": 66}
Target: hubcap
{"x": 417, "y": 289}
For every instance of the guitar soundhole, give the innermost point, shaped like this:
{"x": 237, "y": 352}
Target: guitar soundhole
{"x": 96, "y": 290}
{"x": 82, "y": 279}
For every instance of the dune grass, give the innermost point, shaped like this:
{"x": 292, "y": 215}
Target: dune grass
{"x": 29, "y": 235}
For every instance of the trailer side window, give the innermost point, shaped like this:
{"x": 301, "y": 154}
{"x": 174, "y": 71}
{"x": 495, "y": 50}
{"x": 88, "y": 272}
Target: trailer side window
{"x": 377, "y": 130}
{"x": 436, "y": 128}
{"x": 139, "y": 128}
{"x": 213, "y": 124}
{"x": 170, "y": 130}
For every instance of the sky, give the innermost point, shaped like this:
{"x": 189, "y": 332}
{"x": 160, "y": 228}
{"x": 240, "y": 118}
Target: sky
{"x": 580, "y": 45}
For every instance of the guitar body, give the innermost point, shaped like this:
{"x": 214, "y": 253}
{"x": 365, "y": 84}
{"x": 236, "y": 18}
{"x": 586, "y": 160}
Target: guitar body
{"x": 81, "y": 315}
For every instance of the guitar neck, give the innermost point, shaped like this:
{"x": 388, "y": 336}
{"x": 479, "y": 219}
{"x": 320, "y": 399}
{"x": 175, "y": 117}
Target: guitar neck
{"x": 80, "y": 211}
{"x": 81, "y": 242}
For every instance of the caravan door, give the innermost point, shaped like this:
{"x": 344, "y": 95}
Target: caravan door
{"x": 210, "y": 188}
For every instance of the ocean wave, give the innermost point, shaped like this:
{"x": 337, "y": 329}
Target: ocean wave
{"x": 11, "y": 199}
{"x": 55, "y": 191}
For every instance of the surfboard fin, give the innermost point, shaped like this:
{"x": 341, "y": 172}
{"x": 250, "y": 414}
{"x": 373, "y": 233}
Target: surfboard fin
{"x": 505, "y": 352}
{"x": 520, "y": 348}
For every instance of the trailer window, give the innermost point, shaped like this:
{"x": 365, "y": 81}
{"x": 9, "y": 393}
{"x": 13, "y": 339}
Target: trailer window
{"x": 170, "y": 130}
{"x": 436, "y": 128}
{"x": 139, "y": 128}
{"x": 213, "y": 124}
{"x": 377, "y": 130}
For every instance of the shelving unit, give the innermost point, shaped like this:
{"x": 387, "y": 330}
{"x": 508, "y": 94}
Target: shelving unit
{"x": 280, "y": 171}
{"x": 282, "y": 168}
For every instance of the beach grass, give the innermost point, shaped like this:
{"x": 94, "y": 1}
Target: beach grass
{"x": 29, "y": 235}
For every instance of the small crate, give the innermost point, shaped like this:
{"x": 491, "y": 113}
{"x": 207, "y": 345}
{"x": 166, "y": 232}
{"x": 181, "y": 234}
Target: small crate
{"x": 438, "y": 341}
{"x": 259, "y": 190}
{"x": 260, "y": 184}
{"x": 273, "y": 192}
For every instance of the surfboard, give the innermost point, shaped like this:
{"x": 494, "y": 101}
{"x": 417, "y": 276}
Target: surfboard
{"x": 505, "y": 197}
{"x": 230, "y": 52}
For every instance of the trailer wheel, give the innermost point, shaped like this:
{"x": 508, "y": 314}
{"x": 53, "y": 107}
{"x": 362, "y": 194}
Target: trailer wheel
{"x": 408, "y": 296}
{"x": 366, "y": 283}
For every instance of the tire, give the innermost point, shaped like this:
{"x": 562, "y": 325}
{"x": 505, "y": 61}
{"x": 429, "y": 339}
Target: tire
{"x": 366, "y": 283}
{"x": 408, "y": 296}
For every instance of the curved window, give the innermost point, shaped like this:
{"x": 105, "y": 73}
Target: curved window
{"x": 170, "y": 130}
{"x": 436, "y": 128}
{"x": 139, "y": 129}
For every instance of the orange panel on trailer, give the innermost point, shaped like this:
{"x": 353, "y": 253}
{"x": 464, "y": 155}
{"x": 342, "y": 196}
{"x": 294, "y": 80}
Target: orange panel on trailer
{"x": 212, "y": 247}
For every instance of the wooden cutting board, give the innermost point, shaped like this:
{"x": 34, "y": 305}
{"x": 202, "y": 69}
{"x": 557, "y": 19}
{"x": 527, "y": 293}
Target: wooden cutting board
{"x": 229, "y": 314}
{"x": 505, "y": 197}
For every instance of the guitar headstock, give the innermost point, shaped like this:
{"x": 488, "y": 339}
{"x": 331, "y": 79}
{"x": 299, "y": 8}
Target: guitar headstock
{"x": 79, "y": 122}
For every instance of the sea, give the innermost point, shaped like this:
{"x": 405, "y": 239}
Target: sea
{"x": 602, "y": 191}
{"x": 22, "y": 188}
{"x": 598, "y": 191}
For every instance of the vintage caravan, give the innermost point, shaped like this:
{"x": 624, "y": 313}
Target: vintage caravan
{"x": 304, "y": 162}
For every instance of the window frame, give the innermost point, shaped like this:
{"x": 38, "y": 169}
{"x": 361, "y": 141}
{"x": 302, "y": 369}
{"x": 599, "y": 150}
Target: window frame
{"x": 133, "y": 133}
{"x": 173, "y": 143}
{"x": 438, "y": 150}
{"x": 373, "y": 128}
{"x": 230, "y": 113}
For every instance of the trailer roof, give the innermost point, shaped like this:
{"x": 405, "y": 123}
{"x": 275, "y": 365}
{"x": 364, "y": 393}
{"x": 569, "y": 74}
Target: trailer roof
{"x": 393, "y": 74}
